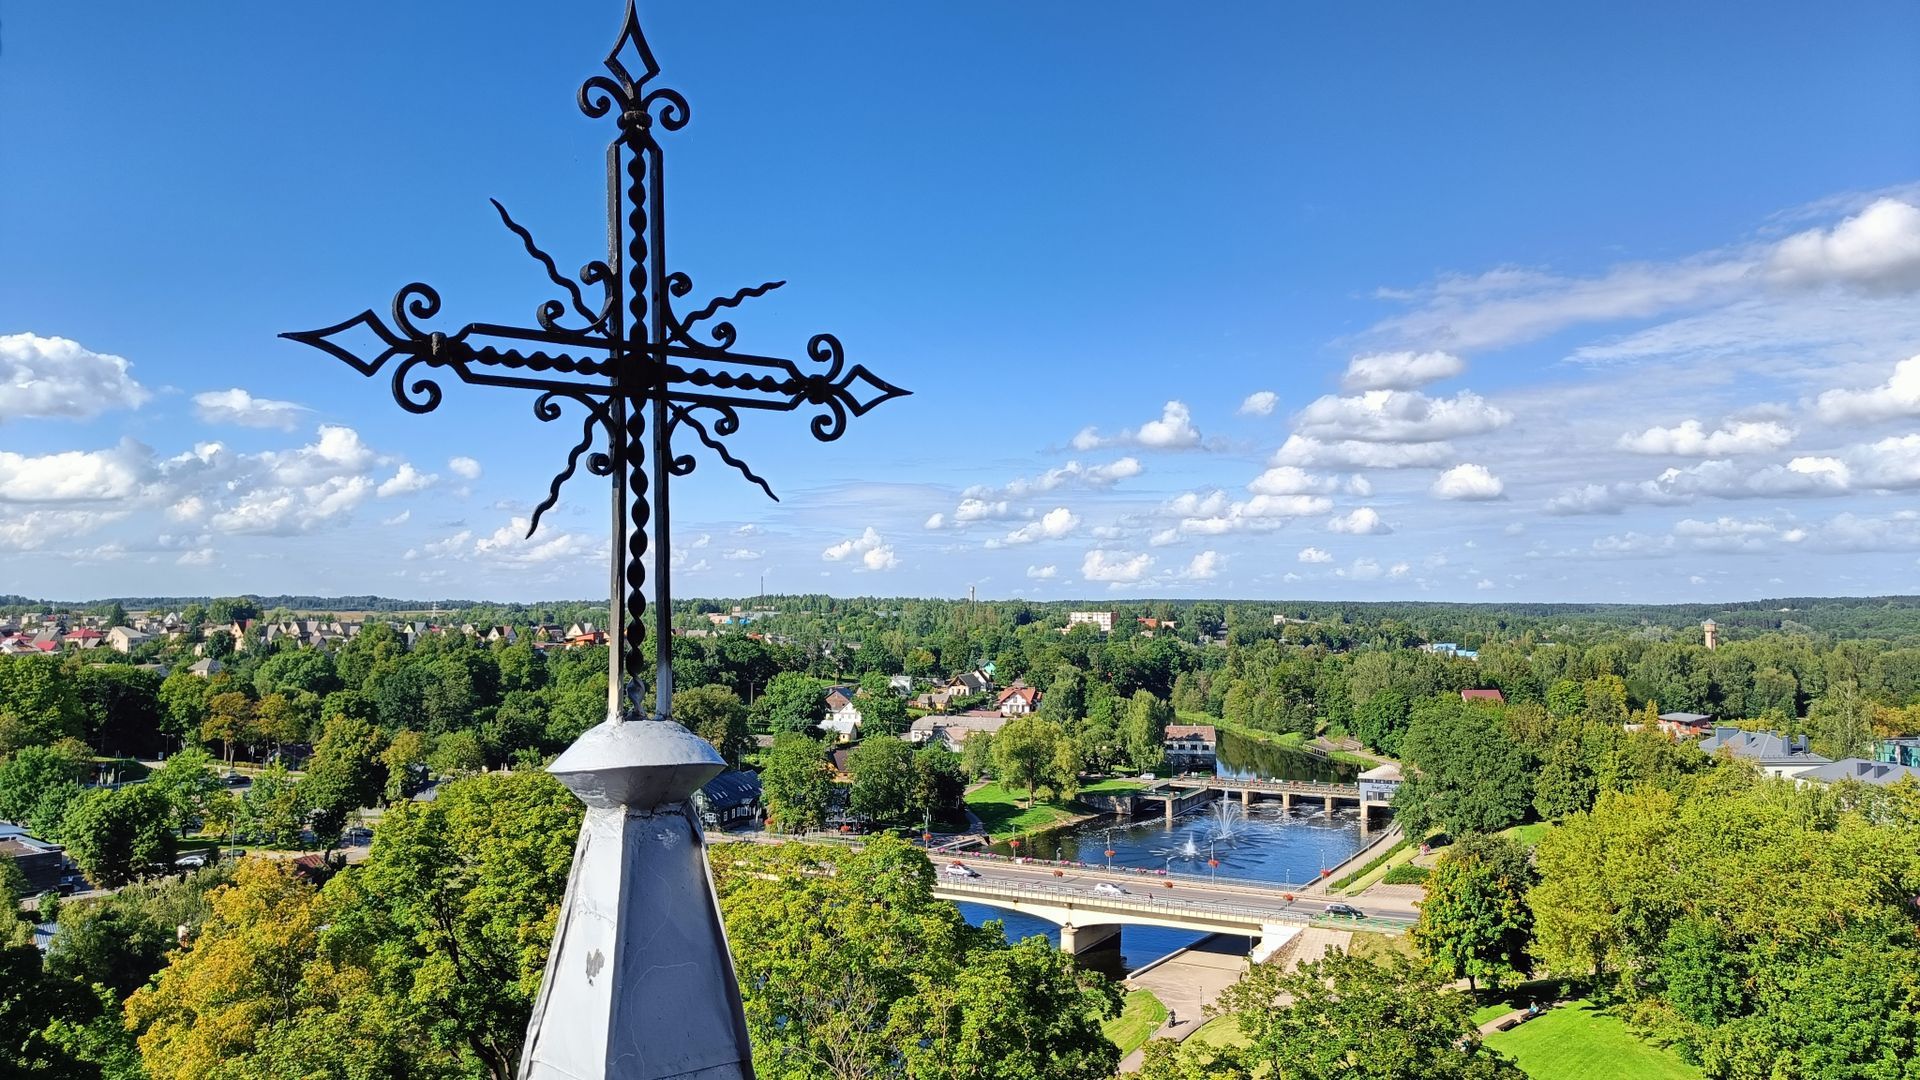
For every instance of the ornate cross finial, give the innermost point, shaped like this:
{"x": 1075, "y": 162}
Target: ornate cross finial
{"x": 639, "y": 985}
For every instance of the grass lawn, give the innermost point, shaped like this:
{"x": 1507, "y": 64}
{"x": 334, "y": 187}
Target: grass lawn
{"x": 1379, "y": 946}
{"x": 1220, "y": 1031}
{"x": 1005, "y": 814}
{"x": 1292, "y": 739}
{"x": 1516, "y": 997}
{"x": 1579, "y": 1042}
{"x": 1140, "y": 1016}
{"x": 1113, "y": 786}
{"x": 1528, "y": 835}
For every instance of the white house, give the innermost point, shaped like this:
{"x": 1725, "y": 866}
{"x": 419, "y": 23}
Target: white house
{"x": 1101, "y": 619}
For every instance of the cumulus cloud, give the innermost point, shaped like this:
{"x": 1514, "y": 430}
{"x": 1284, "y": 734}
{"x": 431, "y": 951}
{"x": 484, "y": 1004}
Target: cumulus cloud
{"x": 1400, "y": 416}
{"x": 1052, "y": 525}
{"x": 406, "y": 481}
{"x": 1897, "y": 397}
{"x": 1361, "y": 570}
{"x": 1043, "y": 573}
{"x": 57, "y": 377}
{"x": 1804, "y": 476}
{"x": 236, "y": 406}
{"x": 1173, "y": 431}
{"x": 1072, "y": 474}
{"x": 1259, "y": 403}
{"x": 75, "y": 475}
{"x": 1876, "y": 250}
{"x": 1118, "y": 568}
{"x": 1292, "y": 480}
{"x": 1364, "y": 521}
{"x": 1468, "y": 482}
{"x": 1400, "y": 370}
{"x": 936, "y": 521}
{"x": 464, "y": 467}
{"x": 874, "y": 552}
{"x": 971, "y": 510}
{"x": 32, "y": 530}
{"x": 283, "y": 511}
{"x": 1211, "y": 513}
{"x": 1315, "y": 555}
{"x": 740, "y": 555}
{"x": 1311, "y": 452}
{"x": 510, "y": 545}
{"x": 1203, "y": 567}
{"x": 1690, "y": 438}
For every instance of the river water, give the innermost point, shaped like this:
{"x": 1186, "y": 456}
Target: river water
{"x": 1260, "y": 844}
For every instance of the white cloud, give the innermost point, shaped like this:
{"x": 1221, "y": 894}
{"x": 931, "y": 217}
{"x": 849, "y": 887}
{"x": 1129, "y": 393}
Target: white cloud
{"x": 1400, "y": 370}
{"x": 336, "y": 451}
{"x": 1292, "y": 480}
{"x": 1203, "y": 567}
{"x": 1043, "y": 573}
{"x": 1118, "y": 568}
{"x": 1364, "y": 521}
{"x": 75, "y": 475}
{"x": 197, "y": 557}
{"x": 1315, "y": 555}
{"x": 284, "y": 511}
{"x": 510, "y": 545}
{"x": 935, "y": 521}
{"x": 1173, "y": 431}
{"x": 464, "y": 467}
{"x": 1897, "y": 397}
{"x": 1072, "y": 474}
{"x": 980, "y": 510}
{"x": 874, "y": 552}
{"x": 56, "y": 377}
{"x": 236, "y": 406}
{"x": 1259, "y": 403}
{"x": 740, "y": 555}
{"x": 1262, "y": 513}
{"x": 1398, "y": 569}
{"x": 1468, "y": 482}
{"x": 1352, "y": 454}
{"x": 406, "y": 481}
{"x": 1483, "y": 583}
{"x": 1360, "y": 570}
{"x": 1690, "y": 438}
{"x": 1400, "y": 416}
{"x": 1052, "y": 525}
{"x": 35, "y": 529}
{"x": 1876, "y": 250}
{"x": 400, "y": 518}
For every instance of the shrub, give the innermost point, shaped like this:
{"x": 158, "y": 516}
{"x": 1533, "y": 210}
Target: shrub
{"x": 1405, "y": 874}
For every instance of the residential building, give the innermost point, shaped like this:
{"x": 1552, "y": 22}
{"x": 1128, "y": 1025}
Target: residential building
{"x": 1148, "y": 625}
{"x": 1494, "y": 697}
{"x": 206, "y": 668}
{"x": 1449, "y": 648}
{"x": 1101, "y": 619}
{"x": 1877, "y": 773}
{"x": 1776, "y": 755}
{"x": 954, "y": 729}
{"x": 42, "y": 864}
{"x": 843, "y": 716}
{"x": 125, "y": 639}
{"x": 1686, "y": 725}
{"x": 1191, "y": 747}
{"x": 1898, "y": 751}
{"x": 1019, "y": 699}
{"x": 900, "y": 684}
{"x": 730, "y": 800}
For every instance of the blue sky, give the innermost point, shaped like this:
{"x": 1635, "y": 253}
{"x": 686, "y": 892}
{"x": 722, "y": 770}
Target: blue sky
{"x": 1488, "y": 302}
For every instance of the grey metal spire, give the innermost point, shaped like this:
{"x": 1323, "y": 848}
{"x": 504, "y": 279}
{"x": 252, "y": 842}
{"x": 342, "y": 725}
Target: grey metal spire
{"x": 639, "y": 984}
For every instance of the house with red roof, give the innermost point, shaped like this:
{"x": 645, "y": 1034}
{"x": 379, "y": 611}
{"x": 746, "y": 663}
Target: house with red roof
{"x": 1494, "y": 696}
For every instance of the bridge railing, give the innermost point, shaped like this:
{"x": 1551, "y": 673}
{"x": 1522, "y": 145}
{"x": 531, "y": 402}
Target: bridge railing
{"x": 1157, "y": 905}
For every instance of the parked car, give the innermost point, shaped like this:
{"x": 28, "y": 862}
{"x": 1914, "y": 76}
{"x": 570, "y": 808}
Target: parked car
{"x": 1108, "y": 888}
{"x": 192, "y": 860}
{"x": 234, "y": 779}
{"x": 961, "y": 870}
{"x": 1346, "y": 911}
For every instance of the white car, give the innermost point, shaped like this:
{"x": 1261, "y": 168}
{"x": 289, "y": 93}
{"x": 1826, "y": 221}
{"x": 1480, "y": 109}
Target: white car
{"x": 961, "y": 870}
{"x": 1108, "y": 888}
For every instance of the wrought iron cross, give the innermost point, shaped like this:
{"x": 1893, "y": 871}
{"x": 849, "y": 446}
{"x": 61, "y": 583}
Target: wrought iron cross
{"x": 631, "y": 362}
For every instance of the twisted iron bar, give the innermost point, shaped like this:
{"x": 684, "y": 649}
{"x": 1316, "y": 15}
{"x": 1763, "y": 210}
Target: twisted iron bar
{"x": 684, "y": 415}
{"x": 547, "y": 410}
{"x": 550, "y": 311}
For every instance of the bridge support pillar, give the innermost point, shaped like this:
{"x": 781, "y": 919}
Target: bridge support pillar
{"x": 1329, "y": 806}
{"x": 1366, "y": 816}
{"x": 1286, "y": 802}
{"x": 1246, "y": 798}
{"x": 1171, "y": 799}
{"x": 1075, "y": 940}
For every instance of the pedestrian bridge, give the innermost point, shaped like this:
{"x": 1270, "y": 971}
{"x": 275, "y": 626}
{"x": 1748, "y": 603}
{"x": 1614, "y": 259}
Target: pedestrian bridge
{"x": 1183, "y": 793}
{"x": 1087, "y": 918}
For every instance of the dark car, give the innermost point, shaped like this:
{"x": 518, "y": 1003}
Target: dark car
{"x": 234, "y": 779}
{"x": 1347, "y": 911}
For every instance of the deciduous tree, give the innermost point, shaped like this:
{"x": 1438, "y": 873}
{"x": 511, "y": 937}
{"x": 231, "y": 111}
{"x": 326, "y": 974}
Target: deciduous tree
{"x": 1475, "y": 923}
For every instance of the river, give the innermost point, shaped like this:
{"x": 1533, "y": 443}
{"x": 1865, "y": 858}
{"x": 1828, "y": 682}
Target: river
{"x": 1260, "y": 844}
